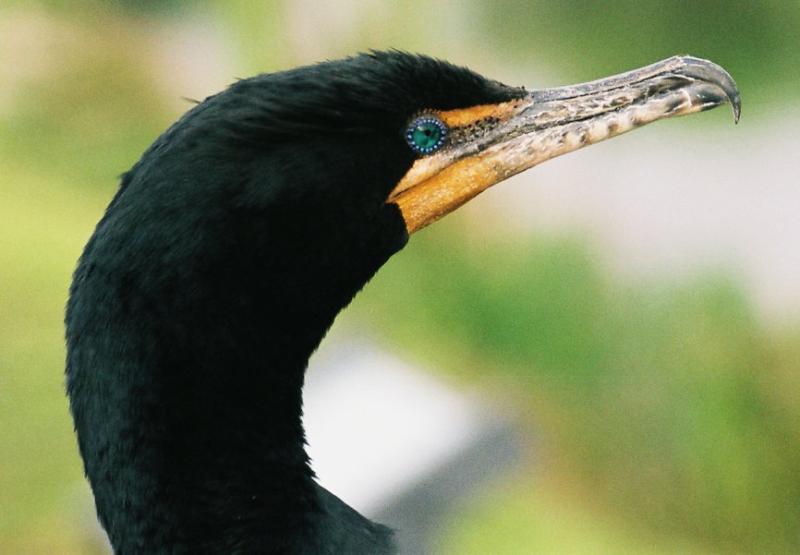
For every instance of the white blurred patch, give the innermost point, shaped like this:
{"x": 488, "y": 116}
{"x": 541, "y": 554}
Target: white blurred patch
{"x": 376, "y": 426}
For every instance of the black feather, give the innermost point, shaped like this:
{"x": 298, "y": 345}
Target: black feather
{"x": 216, "y": 271}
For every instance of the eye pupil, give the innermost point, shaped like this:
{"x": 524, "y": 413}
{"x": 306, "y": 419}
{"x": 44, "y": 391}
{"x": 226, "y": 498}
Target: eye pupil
{"x": 426, "y": 134}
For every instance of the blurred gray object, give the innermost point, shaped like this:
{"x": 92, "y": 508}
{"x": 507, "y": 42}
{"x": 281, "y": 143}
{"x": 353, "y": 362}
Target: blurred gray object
{"x": 395, "y": 443}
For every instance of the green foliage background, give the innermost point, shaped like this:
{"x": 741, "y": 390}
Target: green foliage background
{"x": 665, "y": 413}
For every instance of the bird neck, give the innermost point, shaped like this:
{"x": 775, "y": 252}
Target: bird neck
{"x": 206, "y": 464}
{"x": 185, "y": 375}
{"x": 189, "y": 416}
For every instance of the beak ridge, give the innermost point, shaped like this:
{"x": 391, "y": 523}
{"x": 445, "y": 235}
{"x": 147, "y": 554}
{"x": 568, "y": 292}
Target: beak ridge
{"x": 681, "y": 68}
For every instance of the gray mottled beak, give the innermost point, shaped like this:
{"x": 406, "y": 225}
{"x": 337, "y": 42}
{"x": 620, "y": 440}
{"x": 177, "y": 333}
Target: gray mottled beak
{"x": 546, "y": 123}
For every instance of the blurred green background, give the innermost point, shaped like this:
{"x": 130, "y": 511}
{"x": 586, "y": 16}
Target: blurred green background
{"x": 664, "y": 413}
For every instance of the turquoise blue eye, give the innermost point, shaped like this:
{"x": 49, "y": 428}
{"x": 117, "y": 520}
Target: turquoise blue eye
{"x": 426, "y": 134}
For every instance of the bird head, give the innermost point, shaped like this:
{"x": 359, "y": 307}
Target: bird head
{"x": 315, "y": 176}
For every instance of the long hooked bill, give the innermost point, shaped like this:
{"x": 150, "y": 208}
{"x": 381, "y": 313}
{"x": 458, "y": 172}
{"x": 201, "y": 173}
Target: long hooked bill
{"x": 490, "y": 143}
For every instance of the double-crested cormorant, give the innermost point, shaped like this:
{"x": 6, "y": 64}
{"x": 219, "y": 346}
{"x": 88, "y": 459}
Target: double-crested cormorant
{"x": 235, "y": 240}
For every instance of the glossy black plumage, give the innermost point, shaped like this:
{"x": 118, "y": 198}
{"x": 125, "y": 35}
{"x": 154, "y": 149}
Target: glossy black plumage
{"x": 216, "y": 271}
